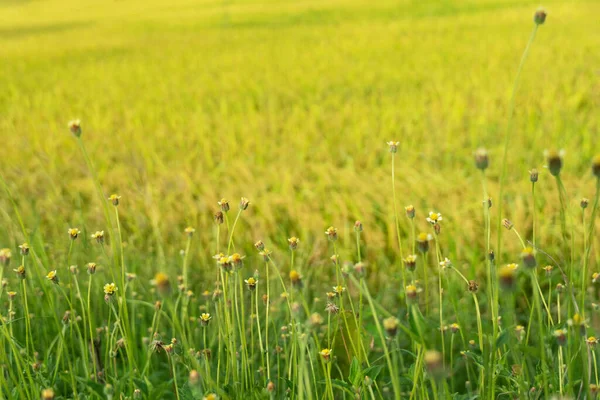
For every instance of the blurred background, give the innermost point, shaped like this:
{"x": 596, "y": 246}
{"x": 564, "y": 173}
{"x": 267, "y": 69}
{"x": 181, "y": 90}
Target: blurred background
{"x": 290, "y": 104}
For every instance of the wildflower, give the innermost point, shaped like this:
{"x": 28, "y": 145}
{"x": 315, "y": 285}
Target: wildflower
{"x": 210, "y": 396}
{"x": 339, "y": 290}
{"x": 358, "y": 226}
{"x": 237, "y": 260}
{"x": 244, "y": 203}
{"x": 548, "y": 270}
{"x": 98, "y": 236}
{"x": 507, "y": 224}
{"x": 270, "y": 387}
{"x": 295, "y": 278}
{"x": 560, "y": 287}
{"x": 410, "y": 211}
{"x": 481, "y": 159}
{"x": 75, "y": 127}
{"x": 454, "y": 327}
{"x": 293, "y": 242}
{"x": 596, "y": 166}
{"x": 205, "y": 319}
{"x": 433, "y": 360}
{"x": 24, "y": 248}
{"x": 316, "y": 319}
{"x": 48, "y": 394}
{"x": 260, "y": 246}
{"x": 326, "y": 354}
{"x": 446, "y": 263}
{"x": 114, "y": 199}
{"x": 595, "y": 277}
{"x": 189, "y": 231}
{"x": 591, "y": 341}
{"x": 330, "y": 295}
{"x": 533, "y": 175}
{"x": 218, "y": 217}
{"x": 334, "y": 259}
{"x": 411, "y": 292}
{"x": 528, "y": 257}
{"x": 156, "y": 346}
{"x": 578, "y": 321}
{"x": 161, "y": 281}
{"x": 52, "y": 276}
{"x": 473, "y": 286}
{"x": 594, "y": 389}
{"x": 561, "y": 336}
{"x": 73, "y": 269}
{"x": 331, "y": 233}
{"x": 66, "y": 317}
{"x": 130, "y": 276}
{"x": 393, "y": 146}
{"x": 137, "y": 394}
{"x": 391, "y": 326}
{"x": 331, "y": 308}
{"x": 584, "y": 203}
{"x": 491, "y": 256}
{"x": 91, "y": 268}
{"x": 266, "y": 253}
{"x": 434, "y": 218}
{"x": 423, "y": 240}
{"x": 224, "y": 204}
{"x": 5, "y": 255}
{"x": 506, "y": 275}
{"x": 251, "y": 283}
{"x": 20, "y": 271}
{"x": 540, "y": 16}
{"x": 359, "y": 269}
{"x": 555, "y": 161}
{"x": 194, "y": 377}
{"x": 11, "y": 295}
{"x": 520, "y": 331}
{"x": 110, "y": 289}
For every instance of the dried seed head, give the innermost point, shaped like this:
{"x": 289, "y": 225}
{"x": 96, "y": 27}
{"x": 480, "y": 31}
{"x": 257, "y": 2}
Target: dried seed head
{"x": 260, "y": 246}
{"x": 218, "y": 217}
{"x": 91, "y": 268}
{"x": 554, "y": 161}
{"x": 410, "y": 211}
{"x": 244, "y": 203}
{"x": 75, "y": 127}
{"x": 539, "y": 17}
{"x": 224, "y": 204}
{"x": 584, "y": 203}
{"x": 360, "y": 269}
{"x": 481, "y": 159}
{"x": 507, "y": 224}
{"x": 331, "y": 308}
{"x": 533, "y": 175}
{"x": 331, "y": 233}
{"x": 73, "y": 269}
{"x": 473, "y": 286}
{"x": 358, "y": 226}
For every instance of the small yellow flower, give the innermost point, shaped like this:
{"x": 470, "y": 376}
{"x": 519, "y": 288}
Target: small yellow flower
{"x": 110, "y": 289}
{"x": 11, "y": 295}
{"x": 423, "y": 240}
{"x": 410, "y": 211}
{"x": 73, "y": 233}
{"x": 205, "y": 319}
{"x": 595, "y": 277}
{"x": 293, "y": 242}
{"x": 295, "y": 277}
{"x": 506, "y": 275}
{"x": 591, "y": 341}
{"x": 5, "y": 255}
{"x": 236, "y": 260}
{"x": 561, "y": 336}
{"x": 161, "y": 281}
{"x": 210, "y": 396}
{"x": 189, "y": 231}
{"x": 528, "y": 257}
{"x": 266, "y": 253}
{"x": 326, "y": 354}
{"x": 114, "y": 199}
{"x": 339, "y": 290}
{"x": 20, "y": 271}
{"x": 434, "y": 218}
{"x": 391, "y": 325}
{"x": 454, "y": 327}
{"x": 52, "y": 276}
{"x": 251, "y": 283}
{"x": 24, "y": 249}
{"x": 98, "y": 236}
{"x": 411, "y": 292}
{"x": 48, "y": 394}
{"x": 393, "y": 146}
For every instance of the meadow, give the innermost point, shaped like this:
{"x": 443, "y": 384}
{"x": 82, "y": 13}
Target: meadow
{"x": 339, "y": 131}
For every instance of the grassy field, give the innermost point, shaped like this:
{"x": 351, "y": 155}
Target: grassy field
{"x": 290, "y": 104}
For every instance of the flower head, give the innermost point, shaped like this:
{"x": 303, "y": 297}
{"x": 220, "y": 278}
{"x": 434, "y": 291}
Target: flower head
{"x": 244, "y": 203}
{"x": 358, "y": 226}
{"x": 473, "y": 286}
{"x": 423, "y": 240}
{"x": 539, "y": 17}
{"x": 20, "y": 272}
{"x": 454, "y": 327}
{"x": 410, "y": 211}
{"x": 393, "y": 146}
{"x": 434, "y": 218}
{"x": 219, "y": 218}
{"x": 331, "y": 308}
{"x": 411, "y": 262}
{"x": 11, "y": 295}
{"x": 5, "y": 255}
{"x": 224, "y": 204}
{"x": 331, "y": 233}
{"x": 52, "y": 276}
{"x": 251, "y": 283}
{"x": 533, "y": 175}
{"x": 481, "y": 159}
{"x": 266, "y": 254}
{"x": 506, "y": 275}
{"x": 114, "y": 199}
{"x": 98, "y": 236}
{"x": 411, "y": 292}
{"x": 161, "y": 281}
{"x": 189, "y": 231}
{"x": 293, "y": 242}
{"x": 554, "y": 160}
{"x": 596, "y": 166}
{"x": 591, "y": 341}
{"x": 561, "y": 336}
{"x": 507, "y": 224}
{"x": 75, "y": 127}
{"x": 295, "y": 278}
{"x": 391, "y": 326}
{"x": 326, "y": 354}
{"x": 446, "y": 263}
{"x": 24, "y": 248}
{"x": 528, "y": 257}
{"x": 110, "y": 289}
{"x": 205, "y": 319}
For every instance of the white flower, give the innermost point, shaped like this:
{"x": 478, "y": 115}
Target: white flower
{"x": 434, "y": 217}
{"x": 446, "y": 263}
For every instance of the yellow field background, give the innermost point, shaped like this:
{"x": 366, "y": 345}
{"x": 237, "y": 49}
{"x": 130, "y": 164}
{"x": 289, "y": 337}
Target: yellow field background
{"x": 290, "y": 103}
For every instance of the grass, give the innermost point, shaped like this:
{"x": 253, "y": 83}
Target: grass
{"x": 290, "y": 105}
